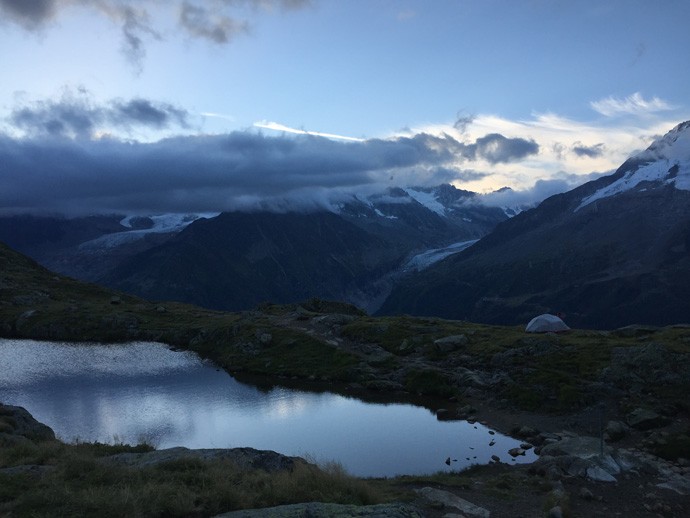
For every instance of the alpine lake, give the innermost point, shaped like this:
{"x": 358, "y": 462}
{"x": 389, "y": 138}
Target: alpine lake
{"x": 146, "y": 392}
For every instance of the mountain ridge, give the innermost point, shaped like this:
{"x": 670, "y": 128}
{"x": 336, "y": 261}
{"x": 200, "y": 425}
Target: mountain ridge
{"x": 621, "y": 259}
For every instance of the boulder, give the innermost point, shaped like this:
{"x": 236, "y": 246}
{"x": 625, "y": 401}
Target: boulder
{"x": 645, "y": 419}
{"x": 447, "y": 499}
{"x": 17, "y": 421}
{"x": 450, "y": 343}
{"x": 616, "y": 430}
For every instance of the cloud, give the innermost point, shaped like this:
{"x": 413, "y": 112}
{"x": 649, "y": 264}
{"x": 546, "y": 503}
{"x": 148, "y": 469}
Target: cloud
{"x": 462, "y": 121}
{"x": 634, "y": 104}
{"x": 147, "y": 113}
{"x": 594, "y": 151}
{"x": 29, "y": 14}
{"x": 287, "y": 129}
{"x": 209, "y": 173}
{"x": 538, "y": 192}
{"x": 210, "y": 20}
{"x": 218, "y": 28}
{"x": 75, "y": 116}
{"x": 496, "y": 148}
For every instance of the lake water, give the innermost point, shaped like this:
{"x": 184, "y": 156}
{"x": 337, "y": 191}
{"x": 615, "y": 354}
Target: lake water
{"x": 145, "y": 391}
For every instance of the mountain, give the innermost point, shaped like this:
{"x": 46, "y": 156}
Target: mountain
{"x": 237, "y": 260}
{"x": 612, "y": 252}
{"x": 353, "y": 253}
{"x": 88, "y": 247}
{"x": 370, "y": 241}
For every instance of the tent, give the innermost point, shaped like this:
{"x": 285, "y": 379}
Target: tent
{"x": 546, "y": 324}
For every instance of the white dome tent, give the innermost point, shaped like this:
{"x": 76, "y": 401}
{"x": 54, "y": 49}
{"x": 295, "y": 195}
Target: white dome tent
{"x": 546, "y": 323}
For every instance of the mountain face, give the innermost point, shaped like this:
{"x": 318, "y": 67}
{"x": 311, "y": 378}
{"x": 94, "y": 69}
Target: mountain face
{"x": 353, "y": 252}
{"x": 87, "y": 248}
{"x": 237, "y": 260}
{"x": 609, "y": 253}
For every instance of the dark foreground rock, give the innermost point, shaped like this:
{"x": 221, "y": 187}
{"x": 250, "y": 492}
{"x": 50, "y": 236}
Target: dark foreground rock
{"x": 16, "y": 422}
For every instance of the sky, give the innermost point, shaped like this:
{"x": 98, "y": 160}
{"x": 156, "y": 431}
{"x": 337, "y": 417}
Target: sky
{"x": 151, "y": 106}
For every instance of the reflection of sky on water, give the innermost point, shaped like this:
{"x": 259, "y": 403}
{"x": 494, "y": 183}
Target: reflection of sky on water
{"x": 144, "y": 391}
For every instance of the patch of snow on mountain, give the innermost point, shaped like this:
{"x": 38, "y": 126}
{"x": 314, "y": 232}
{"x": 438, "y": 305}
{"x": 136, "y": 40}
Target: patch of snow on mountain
{"x": 422, "y": 261}
{"x": 381, "y": 214}
{"x": 428, "y": 199}
{"x": 162, "y": 224}
{"x": 666, "y": 161}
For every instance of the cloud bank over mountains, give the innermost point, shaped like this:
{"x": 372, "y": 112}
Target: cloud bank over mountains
{"x": 73, "y": 155}
{"x": 58, "y": 165}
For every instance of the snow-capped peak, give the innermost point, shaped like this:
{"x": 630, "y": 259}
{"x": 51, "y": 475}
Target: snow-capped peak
{"x": 665, "y": 162}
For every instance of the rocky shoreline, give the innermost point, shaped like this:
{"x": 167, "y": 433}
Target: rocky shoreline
{"x": 575, "y": 475}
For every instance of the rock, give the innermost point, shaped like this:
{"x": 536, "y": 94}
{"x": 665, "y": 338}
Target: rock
{"x": 635, "y": 367}
{"x": 616, "y": 430}
{"x": 582, "y": 457}
{"x": 496, "y": 458}
{"x": 585, "y": 494}
{"x": 525, "y": 432}
{"x": 447, "y": 499}
{"x": 17, "y": 421}
{"x": 645, "y": 419}
{"x": 443, "y": 414}
{"x": 265, "y": 338}
{"x": 161, "y": 309}
{"x": 525, "y": 446}
{"x": 555, "y": 512}
{"x": 516, "y": 452}
{"x": 450, "y": 343}
{"x": 115, "y": 300}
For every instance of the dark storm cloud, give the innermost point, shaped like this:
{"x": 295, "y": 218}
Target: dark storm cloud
{"x": 76, "y": 117}
{"x": 588, "y": 151}
{"x": 496, "y": 148}
{"x": 30, "y": 14}
{"x": 205, "y": 173}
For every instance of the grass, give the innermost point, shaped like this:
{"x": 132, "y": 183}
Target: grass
{"x": 81, "y": 481}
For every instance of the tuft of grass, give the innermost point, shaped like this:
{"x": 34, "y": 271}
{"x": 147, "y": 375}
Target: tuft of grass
{"x": 82, "y": 481}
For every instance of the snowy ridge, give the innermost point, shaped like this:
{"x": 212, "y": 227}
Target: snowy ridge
{"x": 665, "y": 162}
{"x": 428, "y": 199}
{"x": 162, "y": 224}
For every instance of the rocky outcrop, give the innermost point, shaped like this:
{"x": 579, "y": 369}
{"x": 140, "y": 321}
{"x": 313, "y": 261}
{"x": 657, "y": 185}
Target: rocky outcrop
{"x": 446, "y": 499}
{"x": 650, "y": 363}
{"x": 244, "y": 458}
{"x": 584, "y": 457}
{"x": 16, "y": 422}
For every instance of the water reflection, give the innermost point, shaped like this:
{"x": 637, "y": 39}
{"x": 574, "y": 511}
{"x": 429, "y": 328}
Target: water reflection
{"x": 145, "y": 391}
